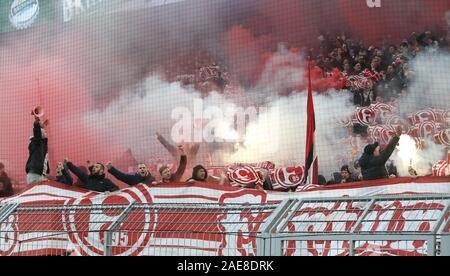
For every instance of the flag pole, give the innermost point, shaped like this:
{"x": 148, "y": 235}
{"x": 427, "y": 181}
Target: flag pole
{"x": 311, "y": 161}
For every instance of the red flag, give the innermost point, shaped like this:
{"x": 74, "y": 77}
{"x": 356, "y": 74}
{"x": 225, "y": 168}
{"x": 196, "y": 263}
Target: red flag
{"x": 311, "y": 163}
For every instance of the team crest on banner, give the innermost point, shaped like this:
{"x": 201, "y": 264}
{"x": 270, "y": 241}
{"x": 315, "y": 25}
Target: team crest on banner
{"x": 243, "y": 243}
{"x": 90, "y": 237}
{"x": 8, "y": 236}
{"x": 243, "y": 176}
{"x": 366, "y": 116}
{"x": 288, "y": 177}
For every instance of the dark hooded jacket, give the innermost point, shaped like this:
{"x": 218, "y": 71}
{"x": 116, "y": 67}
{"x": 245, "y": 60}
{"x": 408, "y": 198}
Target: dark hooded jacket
{"x": 38, "y": 149}
{"x": 373, "y": 167}
{"x": 65, "y": 178}
{"x": 7, "y": 190}
{"x": 131, "y": 179}
{"x": 194, "y": 177}
{"x": 97, "y": 183}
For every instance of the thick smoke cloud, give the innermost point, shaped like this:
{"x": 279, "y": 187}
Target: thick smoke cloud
{"x": 80, "y": 71}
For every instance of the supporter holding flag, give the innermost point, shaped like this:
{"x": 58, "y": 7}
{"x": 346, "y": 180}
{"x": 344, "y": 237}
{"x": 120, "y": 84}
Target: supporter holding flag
{"x": 373, "y": 161}
{"x": 141, "y": 176}
{"x": 96, "y": 181}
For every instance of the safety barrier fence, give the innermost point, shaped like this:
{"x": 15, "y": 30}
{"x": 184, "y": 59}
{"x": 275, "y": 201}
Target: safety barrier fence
{"x": 417, "y": 225}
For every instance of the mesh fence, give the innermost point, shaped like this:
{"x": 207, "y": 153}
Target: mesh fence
{"x": 346, "y": 224}
{"x": 141, "y": 229}
{"x": 313, "y": 227}
{"x": 128, "y": 82}
{"x": 135, "y": 86}
{"x": 361, "y": 248}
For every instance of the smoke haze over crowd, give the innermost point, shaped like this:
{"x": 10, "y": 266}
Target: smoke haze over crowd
{"x": 99, "y": 77}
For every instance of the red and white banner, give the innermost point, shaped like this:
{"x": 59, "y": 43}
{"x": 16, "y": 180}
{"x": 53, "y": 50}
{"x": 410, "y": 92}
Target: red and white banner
{"x": 152, "y": 233}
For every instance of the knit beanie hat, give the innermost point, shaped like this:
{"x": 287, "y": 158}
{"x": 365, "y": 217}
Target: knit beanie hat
{"x": 369, "y": 149}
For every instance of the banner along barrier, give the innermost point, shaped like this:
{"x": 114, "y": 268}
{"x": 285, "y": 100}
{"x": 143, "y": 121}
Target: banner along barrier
{"x": 205, "y": 219}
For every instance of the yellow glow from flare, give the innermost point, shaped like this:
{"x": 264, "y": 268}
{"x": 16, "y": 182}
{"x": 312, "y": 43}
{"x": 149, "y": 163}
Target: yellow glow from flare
{"x": 407, "y": 149}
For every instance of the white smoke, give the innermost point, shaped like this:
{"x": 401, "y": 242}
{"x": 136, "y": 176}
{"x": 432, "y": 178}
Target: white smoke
{"x": 421, "y": 160}
{"x": 132, "y": 120}
{"x": 430, "y": 85}
{"x": 277, "y": 133}
{"x": 280, "y": 134}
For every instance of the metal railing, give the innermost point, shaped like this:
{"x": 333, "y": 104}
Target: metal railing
{"x": 401, "y": 225}
{"x": 415, "y": 225}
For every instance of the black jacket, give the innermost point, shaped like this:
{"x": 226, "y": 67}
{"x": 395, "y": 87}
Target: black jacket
{"x": 131, "y": 179}
{"x": 38, "y": 149}
{"x": 373, "y": 167}
{"x": 7, "y": 190}
{"x": 97, "y": 183}
{"x": 65, "y": 178}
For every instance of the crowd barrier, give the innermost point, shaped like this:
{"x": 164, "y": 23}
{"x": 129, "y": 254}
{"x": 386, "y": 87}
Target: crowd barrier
{"x": 400, "y": 219}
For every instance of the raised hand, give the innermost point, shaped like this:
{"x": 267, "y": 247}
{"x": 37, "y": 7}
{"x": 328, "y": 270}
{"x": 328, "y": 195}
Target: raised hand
{"x": 181, "y": 149}
{"x": 45, "y": 123}
{"x": 399, "y": 131}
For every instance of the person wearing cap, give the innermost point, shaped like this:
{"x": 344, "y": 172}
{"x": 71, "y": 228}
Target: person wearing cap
{"x": 373, "y": 161}
{"x": 37, "y": 167}
{"x": 167, "y": 176}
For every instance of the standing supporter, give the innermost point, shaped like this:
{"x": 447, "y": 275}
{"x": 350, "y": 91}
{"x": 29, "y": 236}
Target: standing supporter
{"x": 96, "y": 181}
{"x": 200, "y": 174}
{"x": 191, "y": 153}
{"x": 373, "y": 161}
{"x": 37, "y": 167}
{"x": 167, "y": 176}
{"x": 62, "y": 175}
{"x": 141, "y": 176}
{"x": 6, "y": 189}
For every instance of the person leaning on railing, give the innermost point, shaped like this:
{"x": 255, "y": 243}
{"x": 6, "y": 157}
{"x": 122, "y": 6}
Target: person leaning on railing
{"x": 96, "y": 180}
{"x": 141, "y": 176}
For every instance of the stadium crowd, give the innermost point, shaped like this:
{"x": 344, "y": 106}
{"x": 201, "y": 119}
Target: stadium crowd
{"x": 386, "y": 67}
